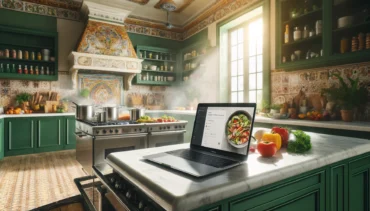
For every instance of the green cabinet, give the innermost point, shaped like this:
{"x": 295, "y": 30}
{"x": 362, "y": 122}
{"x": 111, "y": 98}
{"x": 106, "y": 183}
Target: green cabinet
{"x": 1, "y": 138}
{"x": 19, "y": 136}
{"x": 70, "y": 138}
{"x": 25, "y": 135}
{"x": 359, "y": 184}
{"x": 342, "y": 186}
{"x": 49, "y": 134}
{"x": 323, "y": 48}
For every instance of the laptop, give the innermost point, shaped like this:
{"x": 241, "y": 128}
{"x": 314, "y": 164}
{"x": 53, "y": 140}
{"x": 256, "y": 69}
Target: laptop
{"x": 220, "y": 140}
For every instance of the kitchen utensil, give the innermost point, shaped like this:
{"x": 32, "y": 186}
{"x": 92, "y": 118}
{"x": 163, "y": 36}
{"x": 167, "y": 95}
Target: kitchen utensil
{"x": 345, "y": 21}
{"x": 84, "y": 112}
{"x": 112, "y": 112}
{"x": 153, "y": 67}
{"x": 136, "y": 113}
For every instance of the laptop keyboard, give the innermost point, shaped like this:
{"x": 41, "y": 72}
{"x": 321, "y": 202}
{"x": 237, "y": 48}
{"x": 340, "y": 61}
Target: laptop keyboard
{"x": 202, "y": 158}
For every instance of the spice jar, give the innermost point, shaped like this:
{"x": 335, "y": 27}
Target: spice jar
{"x": 6, "y": 53}
{"x": 32, "y": 55}
{"x": 361, "y": 41}
{"x": 318, "y": 27}
{"x": 31, "y": 70}
{"x": 344, "y": 45}
{"x": 14, "y": 54}
{"x": 25, "y": 71}
{"x": 354, "y": 44}
{"x": 42, "y": 72}
{"x": 368, "y": 41}
{"x": 20, "y": 55}
{"x": 39, "y": 56}
{"x": 47, "y": 71}
{"x": 26, "y": 56}
{"x": 297, "y": 35}
{"x": 37, "y": 70}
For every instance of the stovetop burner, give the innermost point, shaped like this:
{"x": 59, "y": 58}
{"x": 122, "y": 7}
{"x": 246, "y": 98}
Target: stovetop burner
{"x": 119, "y": 122}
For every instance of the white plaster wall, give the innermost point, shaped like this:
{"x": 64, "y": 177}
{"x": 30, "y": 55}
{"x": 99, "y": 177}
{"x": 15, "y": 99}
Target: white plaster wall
{"x": 69, "y": 33}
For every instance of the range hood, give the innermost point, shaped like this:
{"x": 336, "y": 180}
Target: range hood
{"x": 105, "y": 46}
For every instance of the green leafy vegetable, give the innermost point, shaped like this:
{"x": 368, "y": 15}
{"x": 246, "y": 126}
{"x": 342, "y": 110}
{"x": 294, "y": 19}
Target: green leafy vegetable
{"x": 301, "y": 144}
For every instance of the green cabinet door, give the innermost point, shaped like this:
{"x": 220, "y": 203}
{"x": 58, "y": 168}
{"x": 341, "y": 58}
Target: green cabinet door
{"x": 69, "y": 133}
{"x": 359, "y": 186}
{"x": 19, "y": 136}
{"x": 49, "y": 134}
{"x": 339, "y": 187}
{"x": 1, "y": 138}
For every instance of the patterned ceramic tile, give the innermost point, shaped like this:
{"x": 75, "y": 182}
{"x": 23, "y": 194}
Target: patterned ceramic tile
{"x": 106, "y": 39}
{"x": 36, "y": 84}
{"x": 5, "y": 83}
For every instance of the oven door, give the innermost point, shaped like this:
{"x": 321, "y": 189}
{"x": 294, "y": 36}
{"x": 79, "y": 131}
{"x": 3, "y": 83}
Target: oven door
{"x": 104, "y": 145}
{"x": 158, "y": 139}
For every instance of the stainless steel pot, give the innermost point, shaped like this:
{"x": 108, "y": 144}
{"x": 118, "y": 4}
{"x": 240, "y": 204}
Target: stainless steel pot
{"x": 111, "y": 112}
{"x": 101, "y": 116}
{"x": 84, "y": 112}
{"x": 136, "y": 113}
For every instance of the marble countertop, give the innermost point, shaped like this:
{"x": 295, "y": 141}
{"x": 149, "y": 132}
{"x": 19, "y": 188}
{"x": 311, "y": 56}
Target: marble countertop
{"x": 354, "y": 126}
{"x": 35, "y": 115}
{"x": 179, "y": 192}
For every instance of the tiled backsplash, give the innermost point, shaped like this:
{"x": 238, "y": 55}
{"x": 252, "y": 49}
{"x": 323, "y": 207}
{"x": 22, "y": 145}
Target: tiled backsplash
{"x": 286, "y": 85}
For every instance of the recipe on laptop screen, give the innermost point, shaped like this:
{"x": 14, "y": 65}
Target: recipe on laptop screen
{"x": 224, "y": 128}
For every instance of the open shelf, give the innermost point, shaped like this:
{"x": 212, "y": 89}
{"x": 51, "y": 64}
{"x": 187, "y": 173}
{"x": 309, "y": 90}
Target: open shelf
{"x": 194, "y": 58}
{"x": 356, "y": 26}
{"x": 26, "y": 60}
{"x": 28, "y": 77}
{"x": 316, "y": 12}
{"x": 159, "y": 60}
{"x": 303, "y": 40}
{"x": 159, "y": 72}
{"x": 154, "y": 83}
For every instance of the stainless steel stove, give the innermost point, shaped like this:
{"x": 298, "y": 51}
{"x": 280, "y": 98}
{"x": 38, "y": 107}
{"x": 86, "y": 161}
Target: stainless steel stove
{"x": 96, "y": 140}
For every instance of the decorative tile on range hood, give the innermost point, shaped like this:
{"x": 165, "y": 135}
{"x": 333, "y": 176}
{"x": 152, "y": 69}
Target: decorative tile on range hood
{"x": 105, "y": 46}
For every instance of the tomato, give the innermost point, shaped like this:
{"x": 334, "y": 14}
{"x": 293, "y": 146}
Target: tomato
{"x": 266, "y": 148}
{"x": 283, "y": 132}
{"x": 159, "y": 120}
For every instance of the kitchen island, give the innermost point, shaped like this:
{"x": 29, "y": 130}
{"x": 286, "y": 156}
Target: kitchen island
{"x": 333, "y": 175}
{"x": 33, "y": 133}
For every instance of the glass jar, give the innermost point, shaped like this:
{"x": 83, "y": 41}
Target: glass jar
{"x": 306, "y": 32}
{"x": 297, "y": 35}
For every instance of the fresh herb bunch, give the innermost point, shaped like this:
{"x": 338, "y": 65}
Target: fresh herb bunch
{"x": 301, "y": 144}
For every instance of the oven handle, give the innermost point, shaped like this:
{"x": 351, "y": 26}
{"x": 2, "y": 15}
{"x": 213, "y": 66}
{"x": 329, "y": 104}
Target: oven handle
{"x": 164, "y": 133}
{"x": 124, "y": 203}
{"x": 134, "y": 135}
{"x": 83, "y": 193}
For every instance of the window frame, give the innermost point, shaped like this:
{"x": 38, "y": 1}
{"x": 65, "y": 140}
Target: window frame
{"x": 246, "y": 57}
{"x": 266, "y": 93}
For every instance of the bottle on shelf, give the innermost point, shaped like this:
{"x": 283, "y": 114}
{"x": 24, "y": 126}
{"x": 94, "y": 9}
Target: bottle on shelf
{"x": 1, "y": 68}
{"x": 39, "y": 56}
{"x": 286, "y": 34}
{"x": 47, "y": 71}
{"x": 13, "y": 69}
{"x": 42, "y": 72}
{"x": 361, "y": 41}
{"x": 37, "y": 70}
{"x": 20, "y": 69}
{"x": 306, "y": 32}
{"x": 7, "y": 68}
{"x": 318, "y": 27}
{"x": 32, "y": 55}
{"x": 31, "y": 70}
{"x": 26, "y": 55}
{"x": 354, "y": 44}
{"x": 14, "y": 54}
{"x": 25, "y": 71}
{"x": 297, "y": 34}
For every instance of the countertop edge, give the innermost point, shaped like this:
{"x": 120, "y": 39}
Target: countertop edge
{"x": 3, "y": 116}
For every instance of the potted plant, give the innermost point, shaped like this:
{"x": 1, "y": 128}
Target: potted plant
{"x": 265, "y": 107}
{"x": 22, "y": 100}
{"x": 275, "y": 108}
{"x": 85, "y": 93}
{"x": 350, "y": 96}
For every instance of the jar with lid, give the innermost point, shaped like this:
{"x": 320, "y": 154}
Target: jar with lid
{"x": 20, "y": 55}
{"x": 6, "y": 53}
{"x": 354, "y": 44}
{"x": 14, "y": 54}
{"x": 361, "y": 41}
{"x": 32, "y": 55}
{"x": 25, "y": 71}
{"x": 39, "y": 56}
{"x": 26, "y": 55}
{"x": 297, "y": 35}
{"x": 306, "y": 32}
{"x": 318, "y": 27}
{"x": 31, "y": 70}
{"x": 37, "y": 70}
{"x": 20, "y": 69}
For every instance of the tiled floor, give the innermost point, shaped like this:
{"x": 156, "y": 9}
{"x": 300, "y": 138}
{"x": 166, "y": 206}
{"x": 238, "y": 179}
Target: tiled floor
{"x": 31, "y": 181}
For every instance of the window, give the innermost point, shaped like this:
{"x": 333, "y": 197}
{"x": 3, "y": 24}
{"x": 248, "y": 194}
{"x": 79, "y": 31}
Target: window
{"x": 246, "y": 61}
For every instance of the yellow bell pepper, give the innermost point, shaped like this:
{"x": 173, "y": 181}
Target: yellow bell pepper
{"x": 273, "y": 137}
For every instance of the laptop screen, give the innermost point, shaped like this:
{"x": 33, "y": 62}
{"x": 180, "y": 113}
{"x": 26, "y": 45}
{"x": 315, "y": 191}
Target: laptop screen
{"x": 224, "y": 127}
